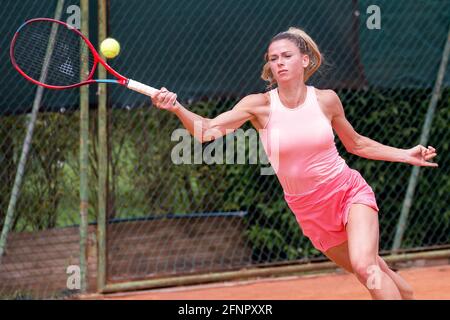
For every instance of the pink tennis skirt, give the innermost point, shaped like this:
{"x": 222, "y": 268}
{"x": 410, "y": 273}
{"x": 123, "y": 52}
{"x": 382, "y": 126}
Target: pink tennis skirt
{"x": 323, "y": 213}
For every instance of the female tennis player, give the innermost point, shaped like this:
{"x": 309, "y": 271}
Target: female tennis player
{"x": 333, "y": 204}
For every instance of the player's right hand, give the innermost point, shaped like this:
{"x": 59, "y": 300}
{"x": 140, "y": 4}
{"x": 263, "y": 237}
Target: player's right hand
{"x": 164, "y": 99}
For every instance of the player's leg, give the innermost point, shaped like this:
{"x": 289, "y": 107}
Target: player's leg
{"x": 405, "y": 289}
{"x": 363, "y": 236}
{"x": 339, "y": 255}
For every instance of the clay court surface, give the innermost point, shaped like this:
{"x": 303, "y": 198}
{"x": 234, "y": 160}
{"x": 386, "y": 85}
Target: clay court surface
{"x": 429, "y": 283}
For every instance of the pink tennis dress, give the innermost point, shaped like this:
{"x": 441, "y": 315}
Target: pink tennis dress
{"x": 318, "y": 185}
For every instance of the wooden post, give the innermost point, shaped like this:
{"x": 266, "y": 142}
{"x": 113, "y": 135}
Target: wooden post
{"x": 102, "y": 156}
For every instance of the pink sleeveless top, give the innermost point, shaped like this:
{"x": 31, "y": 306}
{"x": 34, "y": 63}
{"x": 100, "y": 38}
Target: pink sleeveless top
{"x": 299, "y": 143}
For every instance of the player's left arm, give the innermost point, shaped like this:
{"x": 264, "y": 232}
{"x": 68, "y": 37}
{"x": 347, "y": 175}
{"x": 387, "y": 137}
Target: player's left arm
{"x": 365, "y": 147}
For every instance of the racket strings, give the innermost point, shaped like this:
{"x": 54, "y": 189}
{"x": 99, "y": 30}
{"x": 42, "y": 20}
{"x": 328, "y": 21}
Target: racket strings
{"x": 52, "y": 54}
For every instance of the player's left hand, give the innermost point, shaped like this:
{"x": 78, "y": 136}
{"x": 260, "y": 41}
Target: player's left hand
{"x": 420, "y": 156}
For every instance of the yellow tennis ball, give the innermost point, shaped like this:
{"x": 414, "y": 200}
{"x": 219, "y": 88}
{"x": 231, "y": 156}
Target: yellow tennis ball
{"x": 110, "y": 48}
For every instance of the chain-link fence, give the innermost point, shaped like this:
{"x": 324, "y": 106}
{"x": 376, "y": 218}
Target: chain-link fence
{"x": 204, "y": 213}
{"x": 43, "y": 240}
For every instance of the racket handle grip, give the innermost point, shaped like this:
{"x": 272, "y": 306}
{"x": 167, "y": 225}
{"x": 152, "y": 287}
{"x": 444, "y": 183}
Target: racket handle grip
{"x": 141, "y": 88}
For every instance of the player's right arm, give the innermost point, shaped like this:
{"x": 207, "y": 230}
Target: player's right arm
{"x": 205, "y": 129}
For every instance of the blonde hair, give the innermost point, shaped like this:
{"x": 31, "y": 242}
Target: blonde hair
{"x": 305, "y": 44}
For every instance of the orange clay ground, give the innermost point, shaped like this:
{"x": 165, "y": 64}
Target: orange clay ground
{"x": 428, "y": 283}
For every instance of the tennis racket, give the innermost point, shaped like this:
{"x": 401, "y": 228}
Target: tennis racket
{"x": 50, "y": 53}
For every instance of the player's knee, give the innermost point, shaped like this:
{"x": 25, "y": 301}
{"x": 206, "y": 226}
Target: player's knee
{"x": 366, "y": 269}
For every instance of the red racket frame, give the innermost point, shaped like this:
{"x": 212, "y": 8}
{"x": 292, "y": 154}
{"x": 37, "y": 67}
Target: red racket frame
{"x": 97, "y": 59}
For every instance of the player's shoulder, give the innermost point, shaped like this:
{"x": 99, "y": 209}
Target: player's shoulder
{"x": 327, "y": 96}
{"x": 329, "y": 102}
{"x": 255, "y": 100}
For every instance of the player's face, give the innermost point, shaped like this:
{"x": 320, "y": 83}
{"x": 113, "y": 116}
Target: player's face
{"x": 286, "y": 61}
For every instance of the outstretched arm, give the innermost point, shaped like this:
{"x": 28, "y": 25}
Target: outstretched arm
{"x": 205, "y": 129}
{"x": 417, "y": 156}
{"x": 367, "y": 148}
